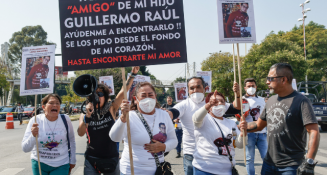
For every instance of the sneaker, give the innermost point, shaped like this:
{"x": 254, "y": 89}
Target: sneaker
{"x": 178, "y": 155}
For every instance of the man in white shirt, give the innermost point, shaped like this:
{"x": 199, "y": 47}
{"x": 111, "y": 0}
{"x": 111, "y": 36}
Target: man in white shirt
{"x": 20, "y": 111}
{"x": 258, "y": 138}
{"x": 185, "y": 110}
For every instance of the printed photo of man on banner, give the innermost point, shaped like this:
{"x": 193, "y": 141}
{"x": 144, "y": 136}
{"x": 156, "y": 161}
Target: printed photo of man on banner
{"x": 206, "y": 75}
{"x": 181, "y": 92}
{"x": 38, "y": 65}
{"x": 137, "y": 79}
{"x": 236, "y": 21}
{"x": 109, "y": 82}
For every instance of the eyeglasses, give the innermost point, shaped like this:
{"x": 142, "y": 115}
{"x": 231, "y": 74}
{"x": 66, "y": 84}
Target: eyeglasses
{"x": 245, "y": 6}
{"x": 100, "y": 94}
{"x": 163, "y": 127}
{"x": 273, "y": 78}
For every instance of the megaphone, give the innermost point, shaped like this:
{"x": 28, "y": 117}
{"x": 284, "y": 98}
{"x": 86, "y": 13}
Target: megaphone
{"x": 86, "y": 86}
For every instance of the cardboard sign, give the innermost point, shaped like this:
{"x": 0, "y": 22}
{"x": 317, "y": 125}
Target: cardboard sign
{"x": 106, "y": 34}
{"x": 37, "y": 73}
{"x": 236, "y": 21}
{"x": 206, "y": 75}
{"x": 109, "y": 82}
{"x": 181, "y": 92}
{"x": 137, "y": 79}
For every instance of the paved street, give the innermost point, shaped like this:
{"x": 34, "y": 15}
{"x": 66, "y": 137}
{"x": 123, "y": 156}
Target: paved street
{"x": 13, "y": 161}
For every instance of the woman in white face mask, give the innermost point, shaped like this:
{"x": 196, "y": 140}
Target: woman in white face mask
{"x": 144, "y": 112}
{"x": 213, "y": 135}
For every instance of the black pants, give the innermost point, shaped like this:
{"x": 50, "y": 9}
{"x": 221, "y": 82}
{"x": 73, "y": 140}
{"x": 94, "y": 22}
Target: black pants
{"x": 20, "y": 117}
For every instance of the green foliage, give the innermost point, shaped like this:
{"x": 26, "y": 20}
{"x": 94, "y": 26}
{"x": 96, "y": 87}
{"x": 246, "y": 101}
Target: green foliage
{"x": 221, "y": 65}
{"x": 272, "y": 50}
{"x": 4, "y": 84}
{"x": 28, "y": 36}
{"x": 316, "y": 47}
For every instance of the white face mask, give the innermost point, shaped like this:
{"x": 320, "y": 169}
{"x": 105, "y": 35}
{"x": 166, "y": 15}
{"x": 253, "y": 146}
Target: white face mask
{"x": 197, "y": 97}
{"x": 251, "y": 91}
{"x": 219, "y": 110}
{"x": 147, "y": 105}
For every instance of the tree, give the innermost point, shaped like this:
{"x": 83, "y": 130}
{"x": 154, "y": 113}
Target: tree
{"x": 221, "y": 65}
{"x": 28, "y": 36}
{"x": 316, "y": 44}
{"x": 272, "y": 50}
{"x": 4, "y": 84}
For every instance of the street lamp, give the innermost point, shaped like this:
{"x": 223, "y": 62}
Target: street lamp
{"x": 303, "y": 19}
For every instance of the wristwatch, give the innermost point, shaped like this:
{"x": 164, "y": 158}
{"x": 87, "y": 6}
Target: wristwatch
{"x": 310, "y": 161}
{"x": 86, "y": 119}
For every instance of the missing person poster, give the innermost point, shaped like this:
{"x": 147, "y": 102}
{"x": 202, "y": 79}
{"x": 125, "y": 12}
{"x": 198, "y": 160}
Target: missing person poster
{"x": 180, "y": 91}
{"x": 236, "y": 21}
{"x": 121, "y": 33}
{"x": 109, "y": 82}
{"x": 137, "y": 79}
{"x": 206, "y": 75}
{"x": 37, "y": 73}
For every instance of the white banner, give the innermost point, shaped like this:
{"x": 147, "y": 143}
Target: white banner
{"x": 137, "y": 79}
{"x": 236, "y": 21}
{"x": 206, "y": 75}
{"x": 37, "y": 73}
{"x": 109, "y": 82}
{"x": 180, "y": 91}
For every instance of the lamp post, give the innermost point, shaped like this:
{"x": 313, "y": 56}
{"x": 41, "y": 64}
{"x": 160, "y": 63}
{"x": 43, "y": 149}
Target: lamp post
{"x": 303, "y": 19}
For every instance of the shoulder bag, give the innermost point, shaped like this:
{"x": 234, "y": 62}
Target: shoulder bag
{"x": 163, "y": 168}
{"x": 234, "y": 170}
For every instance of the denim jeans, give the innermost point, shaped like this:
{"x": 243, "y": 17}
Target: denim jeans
{"x": 272, "y": 170}
{"x": 259, "y": 140}
{"x": 89, "y": 169}
{"x": 179, "y": 134}
{"x": 188, "y": 167}
{"x": 199, "y": 172}
{"x": 47, "y": 170}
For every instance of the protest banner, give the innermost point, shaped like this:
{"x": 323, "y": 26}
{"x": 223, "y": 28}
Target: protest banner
{"x": 107, "y": 34}
{"x": 207, "y": 77}
{"x": 181, "y": 92}
{"x": 37, "y": 72}
{"x": 137, "y": 79}
{"x": 236, "y": 21}
{"x": 109, "y": 82}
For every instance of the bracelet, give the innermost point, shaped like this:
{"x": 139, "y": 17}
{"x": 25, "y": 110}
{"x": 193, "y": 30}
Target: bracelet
{"x": 132, "y": 76}
{"x": 86, "y": 119}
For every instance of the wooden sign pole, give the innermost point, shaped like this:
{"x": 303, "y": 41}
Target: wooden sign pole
{"x": 241, "y": 99}
{"x": 37, "y": 145}
{"x": 128, "y": 124}
{"x": 235, "y": 94}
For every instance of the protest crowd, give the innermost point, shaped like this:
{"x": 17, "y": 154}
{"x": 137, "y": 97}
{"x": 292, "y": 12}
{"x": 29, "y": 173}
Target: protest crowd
{"x": 201, "y": 122}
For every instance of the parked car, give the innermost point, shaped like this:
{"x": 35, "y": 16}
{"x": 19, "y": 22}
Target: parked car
{"x": 77, "y": 109}
{"x": 315, "y": 91}
{"x": 7, "y": 109}
{"x": 63, "y": 109}
{"x": 29, "y": 112}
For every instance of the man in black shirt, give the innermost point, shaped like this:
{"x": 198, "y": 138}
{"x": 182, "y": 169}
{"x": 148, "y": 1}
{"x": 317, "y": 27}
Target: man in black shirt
{"x": 169, "y": 103}
{"x": 289, "y": 117}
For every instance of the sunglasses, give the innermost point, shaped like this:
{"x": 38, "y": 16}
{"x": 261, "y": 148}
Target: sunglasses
{"x": 273, "y": 78}
{"x": 100, "y": 94}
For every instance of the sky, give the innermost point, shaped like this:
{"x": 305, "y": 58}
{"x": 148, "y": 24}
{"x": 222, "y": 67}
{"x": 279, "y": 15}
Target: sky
{"x": 200, "y": 20}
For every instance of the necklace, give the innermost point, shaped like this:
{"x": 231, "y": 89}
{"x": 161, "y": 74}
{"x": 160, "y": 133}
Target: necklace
{"x": 53, "y": 128}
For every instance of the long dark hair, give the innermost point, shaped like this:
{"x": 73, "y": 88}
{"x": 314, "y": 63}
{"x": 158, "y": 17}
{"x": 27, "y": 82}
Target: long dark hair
{"x": 138, "y": 86}
{"x": 105, "y": 91}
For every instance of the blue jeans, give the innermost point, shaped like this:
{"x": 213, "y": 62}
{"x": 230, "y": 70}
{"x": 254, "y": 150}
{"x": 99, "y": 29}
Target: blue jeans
{"x": 259, "y": 140}
{"x": 272, "y": 170}
{"x": 199, "y": 172}
{"x": 188, "y": 167}
{"x": 179, "y": 134}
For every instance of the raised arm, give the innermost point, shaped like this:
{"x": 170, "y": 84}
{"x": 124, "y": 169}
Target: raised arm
{"x": 236, "y": 89}
{"x": 120, "y": 96}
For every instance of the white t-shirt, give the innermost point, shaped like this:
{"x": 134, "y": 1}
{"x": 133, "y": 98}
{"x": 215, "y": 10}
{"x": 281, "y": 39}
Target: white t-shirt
{"x": 52, "y": 141}
{"x": 256, "y": 105}
{"x": 207, "y": 156}
{"x": 186, "y": 110}
{"x": 144, "y": 162}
